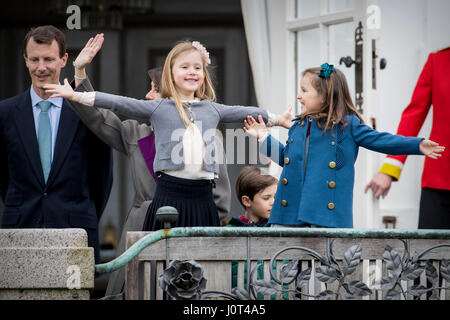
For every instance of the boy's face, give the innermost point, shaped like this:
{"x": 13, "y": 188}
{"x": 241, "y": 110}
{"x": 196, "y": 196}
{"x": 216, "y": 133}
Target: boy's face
{"x": 262, "y": 203}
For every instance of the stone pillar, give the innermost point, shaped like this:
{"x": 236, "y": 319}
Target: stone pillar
{"x": 54, "y": 264}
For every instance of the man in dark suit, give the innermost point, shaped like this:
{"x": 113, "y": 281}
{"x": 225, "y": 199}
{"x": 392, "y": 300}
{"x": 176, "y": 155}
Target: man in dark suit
{"x": 54, "y": 173}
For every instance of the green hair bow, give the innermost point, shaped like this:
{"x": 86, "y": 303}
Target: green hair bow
{"x": 326, "y": 70}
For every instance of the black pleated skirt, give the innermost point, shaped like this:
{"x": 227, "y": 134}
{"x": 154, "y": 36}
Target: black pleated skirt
{"x": 192, "y": 198}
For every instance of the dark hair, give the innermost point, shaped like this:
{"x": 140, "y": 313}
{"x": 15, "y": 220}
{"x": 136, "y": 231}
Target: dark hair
{"x": 155, "y": 76}
{"x": 46, "y": 35}
{"x": 250, "y": 181}
{"x": 337, "y": 100}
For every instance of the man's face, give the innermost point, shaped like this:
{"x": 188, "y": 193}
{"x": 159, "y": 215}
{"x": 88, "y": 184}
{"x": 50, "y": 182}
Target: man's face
{"x": 44, "y": 64}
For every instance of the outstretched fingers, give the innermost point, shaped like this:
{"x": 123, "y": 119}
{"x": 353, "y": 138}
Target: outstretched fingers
{"x": 56, "y": 90}
{"x": 89, "y": 43}
{"x": 249, "y": 123}
{"x": 436, "y": 150}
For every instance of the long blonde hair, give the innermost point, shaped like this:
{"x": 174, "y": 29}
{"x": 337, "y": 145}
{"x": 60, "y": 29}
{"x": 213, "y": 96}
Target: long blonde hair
{"x": 168, "y": 90}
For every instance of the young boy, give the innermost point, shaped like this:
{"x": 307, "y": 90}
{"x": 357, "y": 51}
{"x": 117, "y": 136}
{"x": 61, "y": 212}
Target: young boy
{"x": 256, "y": 193}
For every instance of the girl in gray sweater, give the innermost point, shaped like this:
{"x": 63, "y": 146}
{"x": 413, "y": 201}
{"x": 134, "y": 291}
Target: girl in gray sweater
{"x": 184, "y": 122}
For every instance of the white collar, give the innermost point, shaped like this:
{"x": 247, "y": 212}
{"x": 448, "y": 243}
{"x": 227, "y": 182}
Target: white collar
{"x": 188, "y": 101}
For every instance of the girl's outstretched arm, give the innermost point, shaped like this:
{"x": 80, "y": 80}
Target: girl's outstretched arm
{"x": 270, "y": 146}
{"x": 385, "y": 142}
{"x": 127, "y": 106}
{"x": 254, "y": 128}
{"x": 65, "y": 91}
{"x": 284, "y": 119}
{"x": 431, "y": 149}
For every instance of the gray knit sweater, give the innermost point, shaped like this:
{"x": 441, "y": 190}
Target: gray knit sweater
{"x": 169, "y": 128}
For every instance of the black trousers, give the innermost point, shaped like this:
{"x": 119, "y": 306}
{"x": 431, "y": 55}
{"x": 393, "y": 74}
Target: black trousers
{"x": 434, "y": 212}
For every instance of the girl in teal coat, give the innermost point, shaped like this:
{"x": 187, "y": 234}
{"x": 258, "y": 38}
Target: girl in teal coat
{"x": 316, "y": 184}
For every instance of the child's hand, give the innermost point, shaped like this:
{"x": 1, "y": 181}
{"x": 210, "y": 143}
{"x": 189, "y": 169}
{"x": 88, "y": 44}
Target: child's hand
{"x": 284, "y": 119}
{"x": 64, "y": 91}
{"x": 431, "y": 149}
{"x": 254, "y": 128}
{"x": 89, "y": 51}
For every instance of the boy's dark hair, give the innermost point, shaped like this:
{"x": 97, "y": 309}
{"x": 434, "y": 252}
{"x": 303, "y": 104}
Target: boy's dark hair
{"x": 46, "y": 35}
{"x": 250, "y": 181}
{"x": 338, "y": 102}
{"x": 155, "y": 75}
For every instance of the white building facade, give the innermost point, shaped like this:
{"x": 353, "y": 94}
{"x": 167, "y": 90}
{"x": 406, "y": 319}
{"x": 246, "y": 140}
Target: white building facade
{"x": 285, "y": 37}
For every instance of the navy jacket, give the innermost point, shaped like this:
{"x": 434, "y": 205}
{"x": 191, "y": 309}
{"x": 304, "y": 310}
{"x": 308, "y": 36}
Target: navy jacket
{"x": 80, "y": 178}
{"x": 319, "y": 190}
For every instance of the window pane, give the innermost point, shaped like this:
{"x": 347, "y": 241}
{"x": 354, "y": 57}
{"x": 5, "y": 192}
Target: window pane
{"x": 340, "y": 5}
{"x": 342, "y": 44}
{"x": 308, "y": 54}
{"x": 307, "y": 8}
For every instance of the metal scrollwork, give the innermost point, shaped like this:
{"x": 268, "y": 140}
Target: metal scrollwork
{"x": 184, "y": 279}
{"x": 409, "y": 268}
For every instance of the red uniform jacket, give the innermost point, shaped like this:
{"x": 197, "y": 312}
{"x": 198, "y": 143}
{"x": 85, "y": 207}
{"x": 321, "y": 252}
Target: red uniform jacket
{"x": 432, "y": 88}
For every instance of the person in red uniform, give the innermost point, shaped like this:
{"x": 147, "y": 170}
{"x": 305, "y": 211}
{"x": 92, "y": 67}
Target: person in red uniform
{"x": 432, "y": 88}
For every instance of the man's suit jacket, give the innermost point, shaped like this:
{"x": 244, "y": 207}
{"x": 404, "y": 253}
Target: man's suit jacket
{"x": 80, "y": 178}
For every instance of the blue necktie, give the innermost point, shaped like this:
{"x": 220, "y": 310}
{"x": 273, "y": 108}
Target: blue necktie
{"x": 45, "y": 138}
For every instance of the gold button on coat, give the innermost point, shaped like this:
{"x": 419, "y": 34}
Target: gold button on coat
{"x": 332, "y": 164}
{"x": 284, "y": 181}
{"x": 284, "y": 203}
{"x": 331, "y": 206}
{"x": 292, "y": 140}
{"x": 332, "y": 184}
{"x": 333, "y": 143}
{"x": 286, "y": 160}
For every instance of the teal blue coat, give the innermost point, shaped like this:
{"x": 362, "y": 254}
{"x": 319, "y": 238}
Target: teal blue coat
{"x": 319, "y": 190}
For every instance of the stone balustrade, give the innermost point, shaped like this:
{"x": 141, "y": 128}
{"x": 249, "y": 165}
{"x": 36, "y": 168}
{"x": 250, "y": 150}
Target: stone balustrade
{"x": 41, "y": 264}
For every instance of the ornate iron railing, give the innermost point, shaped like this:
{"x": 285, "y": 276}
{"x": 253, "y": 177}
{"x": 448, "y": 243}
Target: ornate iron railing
{"x": 183, "y": 278}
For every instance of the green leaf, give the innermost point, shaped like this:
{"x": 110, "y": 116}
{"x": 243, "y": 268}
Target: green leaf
{"x": 326, "y": 274}
{"x": 348, "y": 296}
{"x": 241, "y": 293}
{"x": 393, "y": 261}
{"x": 359, "y": 288}
{"x": 264, "y": 287}
{"x": 392, "y": 295}
{"x": 352, "y": 258}
{"x": 411, "y": 271}
{"x": 434, "y": 296}
{"x": 388, "y": 283}
{"x": 288, "y": 272}
{"x": 303, "y": 278}
{"x": 326, "y": 295}
{"x": 417, "y": 290}
{"x": 431, "y": 272}
{"x": 445, "y": 269}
